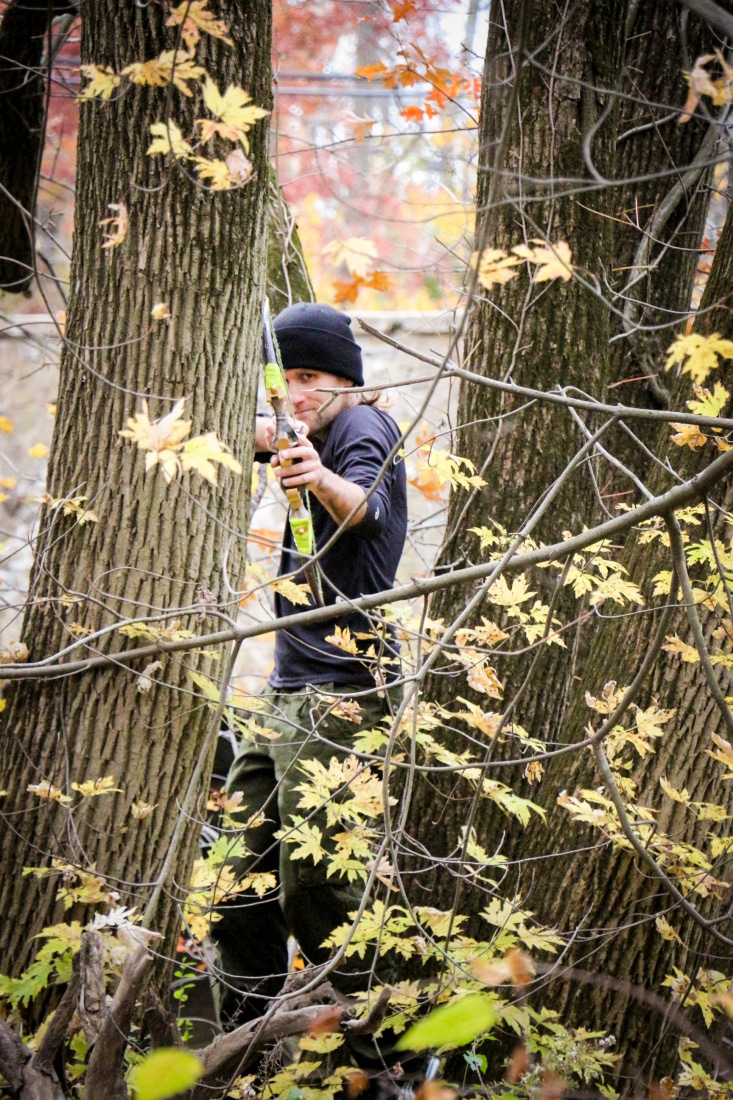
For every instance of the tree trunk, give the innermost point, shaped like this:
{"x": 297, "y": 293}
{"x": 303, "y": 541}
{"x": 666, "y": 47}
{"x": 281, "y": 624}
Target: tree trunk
{"x": 534, "y": 334}
{"x": 560, "y": 337}
{"x": 604, "y": 893}
{"x": 158, "y": 550}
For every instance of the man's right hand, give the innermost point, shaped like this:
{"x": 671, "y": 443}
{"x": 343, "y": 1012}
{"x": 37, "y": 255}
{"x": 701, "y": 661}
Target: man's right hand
{"x": 265, "y": 432}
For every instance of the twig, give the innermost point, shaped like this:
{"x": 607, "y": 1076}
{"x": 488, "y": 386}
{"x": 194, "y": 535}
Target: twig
{"x": 92, "y": 996}
{"x": 242, "y": 1046}
{"x": 680, "y": 564}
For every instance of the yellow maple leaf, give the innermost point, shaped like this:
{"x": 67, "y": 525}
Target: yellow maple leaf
{"x": 295, "y": 593}
{"x": 234, "y": 113}
{"x": 102, "y": 82}
{"x": 78, "y": 630}
{"x": 168, "y": 139}
{"x": 6, "y": 425}
{"x": 216, "y": 172}
{"x": 8, "y": 482}
{"x": 665, "y": 929}
{"x": 724, "y": 755}
{"x": 93, "y": 787}
{"x": 259, "y": 881}
{"x": 202, "y": 452}
{"x": 195, "y": 17}
{"x": 171, "y": 67}
{"x": 348, "y": 709}
{"x": 158, "y": 435}
{"x": 709, "y": 403}
{"x": 160, "y": 312}
{"x": 141, "y": 810}
{"x": 71, "y": 506}
{"x": 494, "y": 267}
{"x": 358, "y": 253}
{"x": 38, "y": 450}
{"x": 483, "y": 678}
{"x": 687, "y": 652}
{"x": 682, "y": 796}
{"x": 700, "y": 84}
{"x": 553, "y": 259}
{"x": 510, "y": 598}
{"x": 45, "y": 789}
{"x": 342, "y": 639}
{"x": 698, "y": 355}
{"x": 118, "y": 224}
{"x": 688, "y": 435}
{"x": 240, "y": 168}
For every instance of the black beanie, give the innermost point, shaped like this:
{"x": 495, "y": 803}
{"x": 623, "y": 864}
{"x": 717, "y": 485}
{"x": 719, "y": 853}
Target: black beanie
{"x": 317, "y": 337}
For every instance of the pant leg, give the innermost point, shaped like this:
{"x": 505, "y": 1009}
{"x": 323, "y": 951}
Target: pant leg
{"x": 250, "y": 934}
{"x": 314, "y": 902}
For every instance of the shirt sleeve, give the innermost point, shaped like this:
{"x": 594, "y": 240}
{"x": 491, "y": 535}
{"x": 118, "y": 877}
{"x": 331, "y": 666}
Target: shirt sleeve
{"x": 362, "y": 443}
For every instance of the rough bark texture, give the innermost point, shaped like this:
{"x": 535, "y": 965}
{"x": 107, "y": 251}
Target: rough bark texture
{"x": 601, "y": 891}
{"x": 156, "y": 547}
{"x": 540, "y": 335}
{"x": 660, "y": 218}
{"x": 560, "y": 337}
{"x": 288, "y": 280}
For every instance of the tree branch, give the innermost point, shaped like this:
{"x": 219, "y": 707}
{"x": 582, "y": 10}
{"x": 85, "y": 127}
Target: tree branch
{"x": 105, "y": 1073}
{"x": 680, "y": 496}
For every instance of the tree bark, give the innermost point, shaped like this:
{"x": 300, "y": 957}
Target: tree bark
{"x": 531, "y": 135}
{"x": 604, "y": 893}
{"x": 561, "y": 337}
{"x": 174, "y": 550}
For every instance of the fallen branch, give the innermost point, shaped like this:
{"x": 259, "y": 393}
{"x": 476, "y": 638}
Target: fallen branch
{"x": 236, "y": 1051}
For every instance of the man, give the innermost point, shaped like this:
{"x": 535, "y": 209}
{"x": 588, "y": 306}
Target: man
{"x": 359, "y": 509}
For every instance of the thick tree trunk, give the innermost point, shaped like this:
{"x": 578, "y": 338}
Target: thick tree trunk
{"x": 661, "y": 212}
{"x": 561, "y": 337}
{"x": 539, "y": 335}
{"x": 158, "y": 549}
{"x": 604, "y": 893}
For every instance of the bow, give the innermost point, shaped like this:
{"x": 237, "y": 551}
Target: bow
{"x": 301, "y": 522}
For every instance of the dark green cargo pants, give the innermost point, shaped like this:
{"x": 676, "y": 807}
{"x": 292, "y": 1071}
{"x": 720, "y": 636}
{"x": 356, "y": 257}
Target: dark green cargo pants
{"x": 252, "y": 934}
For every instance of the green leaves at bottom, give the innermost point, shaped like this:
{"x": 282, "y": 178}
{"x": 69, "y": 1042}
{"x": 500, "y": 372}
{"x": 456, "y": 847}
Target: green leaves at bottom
{"x": 455, "y": 1024}
{"x": 166, "y": 1072}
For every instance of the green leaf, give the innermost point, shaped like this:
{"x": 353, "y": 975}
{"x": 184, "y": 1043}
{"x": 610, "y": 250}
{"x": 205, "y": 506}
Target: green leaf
{"x": 459, "y": 1022}
{"x": 476, "y": 1062}
{"x": 166, "y": 1072}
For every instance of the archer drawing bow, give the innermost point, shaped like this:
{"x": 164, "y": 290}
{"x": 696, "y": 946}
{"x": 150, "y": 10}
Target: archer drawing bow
{"x": 301, "y": 522}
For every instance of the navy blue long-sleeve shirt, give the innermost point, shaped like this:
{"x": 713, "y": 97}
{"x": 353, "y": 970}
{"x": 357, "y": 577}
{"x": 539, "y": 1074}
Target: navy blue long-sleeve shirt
{"x": 363, "y": 559}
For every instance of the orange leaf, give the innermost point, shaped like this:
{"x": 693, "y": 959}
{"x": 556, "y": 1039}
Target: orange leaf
{"x": 347, "y": 292}
{"x": 413, "y": 114}
{"x": 552, "y": 1086}
{"x": 355, "y": 1083}
{"x": 378, "y": 280}
{"x": 327, "y": 1021}
{"x": 401, "y": 9}
{"x": 434, "y": 1090}
{"x": 371, "y": 72}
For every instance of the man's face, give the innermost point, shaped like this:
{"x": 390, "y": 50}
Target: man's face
{"x": 307, "y": 395}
